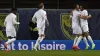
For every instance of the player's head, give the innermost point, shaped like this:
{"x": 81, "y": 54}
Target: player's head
{"x": 14, "y": 10}
{"x": 82, "y": 7}
{"x": 41, "y": 6}
{"x": 77, "y": 6}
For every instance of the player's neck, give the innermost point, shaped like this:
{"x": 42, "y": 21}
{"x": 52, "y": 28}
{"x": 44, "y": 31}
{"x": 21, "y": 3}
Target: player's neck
{"x": 77, "y": 9}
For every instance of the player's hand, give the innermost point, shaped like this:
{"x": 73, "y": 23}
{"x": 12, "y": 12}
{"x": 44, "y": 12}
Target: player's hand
{"x": 18, "y": 23}
{"x": 47, "y": 23}
{"x": 70, "y": 16}
{"x": 89, "y": 16}
{"x": 79, "y": 15}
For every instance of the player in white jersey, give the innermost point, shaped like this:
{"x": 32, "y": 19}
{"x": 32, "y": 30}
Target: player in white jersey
{"x": 84, "y": 25}
{"x": 40, "y": 17}
{"x": 76, "y": 27}
{"x": 9, "y": 23}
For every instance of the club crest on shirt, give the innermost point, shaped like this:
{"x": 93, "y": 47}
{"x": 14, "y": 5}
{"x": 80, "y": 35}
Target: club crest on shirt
{"x": 65, "y": 22}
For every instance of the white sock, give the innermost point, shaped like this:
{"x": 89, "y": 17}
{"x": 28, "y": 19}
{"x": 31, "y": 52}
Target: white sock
{"x": 9, "y": 44}
{"x": 90, "y": 39}
{"x": 75, "y": 40}
{"x": 78, "y": 40}
{"x": 11, "y": 40}
{"x": 37, "y": 42}
{"x": 85, "y": 40}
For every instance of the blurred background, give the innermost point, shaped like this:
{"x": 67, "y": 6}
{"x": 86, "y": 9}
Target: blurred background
{"x": 49, "y": 4}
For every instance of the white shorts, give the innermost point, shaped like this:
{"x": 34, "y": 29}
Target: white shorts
{"x": 11, "y": 33}
{"x": 85, "y": 28}
{"x": 77, "y": 30}
{"x": 41, "y": 30}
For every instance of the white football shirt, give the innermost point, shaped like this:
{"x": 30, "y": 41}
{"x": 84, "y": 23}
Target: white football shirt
{"x": 75, "y": 18}
{"x": 84, "y": 21}
{"x": 40, "y": 17}
{"x": 10, "y": 20}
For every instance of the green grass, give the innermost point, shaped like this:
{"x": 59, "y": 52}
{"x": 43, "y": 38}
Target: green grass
{"x": 52, "y": 53}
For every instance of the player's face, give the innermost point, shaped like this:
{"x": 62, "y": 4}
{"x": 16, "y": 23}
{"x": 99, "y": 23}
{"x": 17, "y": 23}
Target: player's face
{"x": 43, "y": 7}
{"x": 77, "y": 6}
{"x": 80, "y": 7}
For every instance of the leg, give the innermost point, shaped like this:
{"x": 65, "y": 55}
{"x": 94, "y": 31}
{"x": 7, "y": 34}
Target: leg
{"x": 41, "y": 37}
{"x": 43, "y": 34}
{"x": 90, "y": 39}
{"x": 11, "y": 38}
{"x": 37, "y": 43}
{"x": 78, "y": 40}
{"x": 75, "y": 40}
{"x": 78, "y": 32}
{"x": 86, "y": 42}
{"x": 75, "y": 47}
{"x": 85, "y": 34}
{"x": 6, "y": 44}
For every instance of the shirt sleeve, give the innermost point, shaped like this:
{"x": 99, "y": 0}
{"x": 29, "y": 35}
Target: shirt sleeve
{"x": 45, "y": 15}
{"x": 14, "y": 20}
{"x": 5, "y": 23}
{"x": 85, "y": 13}
{"x": 34, "y": 18}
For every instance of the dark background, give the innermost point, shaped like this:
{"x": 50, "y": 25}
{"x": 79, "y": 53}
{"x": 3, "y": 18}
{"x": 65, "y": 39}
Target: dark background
{"x": 49, "y": 4}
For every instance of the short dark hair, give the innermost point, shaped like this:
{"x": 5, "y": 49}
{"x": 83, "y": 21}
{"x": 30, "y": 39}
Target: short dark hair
{"x": 14, "y": 9}
{"x": 40, "y": 5}
{"x": 75, "y": 5}
{"x": 84, "y": 6}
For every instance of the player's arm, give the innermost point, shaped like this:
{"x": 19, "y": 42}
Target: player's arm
{"x": 45, "y": 17}
{"x": 4, "y": 23}
{"x": 85, "y": 17}
{"x": 14, "y": 21}
{"x": 89, "y": 16}
{"x": 71, "y": 14}
{"x": 34, "y": 19}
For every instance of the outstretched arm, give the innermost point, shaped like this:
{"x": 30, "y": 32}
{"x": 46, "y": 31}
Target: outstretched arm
{"x": 15, "y": 22}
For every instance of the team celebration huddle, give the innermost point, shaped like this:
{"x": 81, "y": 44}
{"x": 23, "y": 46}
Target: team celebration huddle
{"x": 79, "y": 25}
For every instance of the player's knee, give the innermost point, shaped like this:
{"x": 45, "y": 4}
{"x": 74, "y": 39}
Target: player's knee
{"x": 43, "y": 35}
{"x": 79, "y": 35}
{"x": 9, "y": 37}
{"x": 83, "y": 35}
{"x": 86, "y": 34}
{"x": 14, "y": 39}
